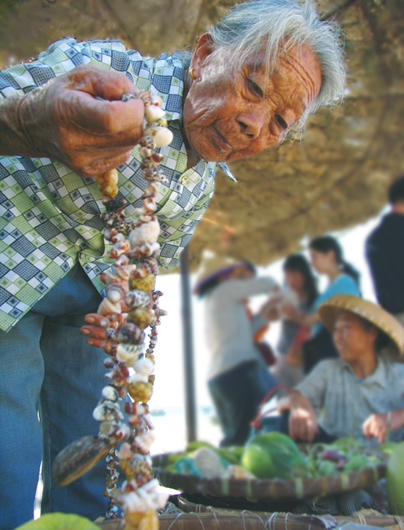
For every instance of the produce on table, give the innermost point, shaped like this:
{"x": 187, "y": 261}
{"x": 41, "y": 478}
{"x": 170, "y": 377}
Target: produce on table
{"x": 276, "y": 455}
{"x": 273, "y": 455}
{"x": 395, "y": 480}
{"x": 387, "y": 447}
{"x": 59, "y": 521}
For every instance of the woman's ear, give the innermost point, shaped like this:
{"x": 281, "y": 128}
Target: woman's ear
{"x": 203, "y": 49}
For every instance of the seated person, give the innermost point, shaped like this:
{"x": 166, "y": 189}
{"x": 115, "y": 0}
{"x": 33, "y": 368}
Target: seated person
{"x": 301, "y": 292}
{"x": 360, "y": 394}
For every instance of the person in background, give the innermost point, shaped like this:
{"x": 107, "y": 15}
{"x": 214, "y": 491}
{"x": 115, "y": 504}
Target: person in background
{"x": 384, "y": 250}
{"x": 359, "y": 394}
{"x": 250, "y": 79}
{"x": 327, "y": 259}
{"x": 300, "y": 280}
{"x": 238, "y": 377}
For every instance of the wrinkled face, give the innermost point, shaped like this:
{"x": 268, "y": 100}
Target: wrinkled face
{"x": 351, "y": 339}
{"x": 321, "y": 261}
{"x": 294, "y": 280}
{"x": 229, "y": 115}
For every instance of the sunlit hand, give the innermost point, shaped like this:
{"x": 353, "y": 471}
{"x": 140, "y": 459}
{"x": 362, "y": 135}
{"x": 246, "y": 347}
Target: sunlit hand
{"x": 269, "y": 311}
{"x": 64, "y": 121}
{"x": 291, "y": 312}
{"x": 292, "y": 357}
{"x": 302, "y": 419}
{"x": 378, "y": 426}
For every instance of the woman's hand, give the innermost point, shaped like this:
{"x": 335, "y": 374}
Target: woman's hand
{"x": 291, "y": 312}
{"x": 379, "y": 425}
{"x": 302, "y": 418}
{"x": 269, "y": 312}
{"x": 102, "y": 330}
{"x": 64, "y": 120}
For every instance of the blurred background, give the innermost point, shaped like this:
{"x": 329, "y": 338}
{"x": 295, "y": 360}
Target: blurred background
{"x": 333, "y": 180}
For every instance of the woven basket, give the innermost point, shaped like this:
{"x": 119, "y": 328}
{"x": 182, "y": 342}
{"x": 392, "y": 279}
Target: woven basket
{"x": 260, "y": 489}
{"x": 219, "y": 520}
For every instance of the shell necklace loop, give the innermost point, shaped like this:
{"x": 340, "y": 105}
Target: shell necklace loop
{"x": 130, "y": 307}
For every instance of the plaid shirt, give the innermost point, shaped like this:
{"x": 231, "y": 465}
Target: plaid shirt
{"x": 50, "y": 217}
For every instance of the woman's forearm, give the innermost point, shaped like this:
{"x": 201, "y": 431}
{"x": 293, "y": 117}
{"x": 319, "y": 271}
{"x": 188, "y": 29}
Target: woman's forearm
{"x": 397, "y": 418}
{"x": 308, "y": 320}
{"x": 78, "y": 119}
{"x": 12, "y": 136}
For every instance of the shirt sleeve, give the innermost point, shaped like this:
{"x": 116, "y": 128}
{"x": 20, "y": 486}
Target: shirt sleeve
{"x": 314, "y": 385}
{"x": 257, "y": 323}
{"x": 238, "y": 290}
{"x": 175, "y": 233}
{"x": 397, "y": 388}
{"x": 61, "y": 57}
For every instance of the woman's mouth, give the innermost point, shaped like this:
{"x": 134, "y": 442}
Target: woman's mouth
{"x": 221, "y": 143}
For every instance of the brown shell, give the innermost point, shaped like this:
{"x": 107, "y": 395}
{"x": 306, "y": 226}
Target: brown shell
{"x": 144, "y": 284}
{"x": 77, "y": 458}
{"x": 141, "y": 317}
{"x": 141, "y": 520}
{"x": 140, "y": 391}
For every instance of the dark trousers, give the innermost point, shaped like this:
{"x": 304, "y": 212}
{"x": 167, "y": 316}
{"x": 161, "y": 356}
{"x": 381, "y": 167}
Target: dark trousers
{"x": 236, "y": 395}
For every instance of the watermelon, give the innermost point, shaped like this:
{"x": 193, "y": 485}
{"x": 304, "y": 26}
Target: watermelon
{"x": 59, "y": 521}
{"x": 273, "y": 455}
{"x": 395, "y": 480}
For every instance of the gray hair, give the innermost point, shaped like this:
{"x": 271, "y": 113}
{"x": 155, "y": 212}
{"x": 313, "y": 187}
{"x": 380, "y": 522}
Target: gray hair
{"x": 249, "y": 27}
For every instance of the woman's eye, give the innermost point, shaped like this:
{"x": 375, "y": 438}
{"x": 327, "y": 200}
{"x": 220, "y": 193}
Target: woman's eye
{"x": 281, "y": 122}
{"x": 255, "y": 88}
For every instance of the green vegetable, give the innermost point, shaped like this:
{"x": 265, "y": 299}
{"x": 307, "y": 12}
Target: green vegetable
{"x": 326, "y": 467}
{"x": 197, "y": 444}
{"x": 387, "y": 448}
{"x": 346, "y": 444}
{"x": 59, "y": 521}
{"x": 273, "y": 455}
{"x": 172, "y": 458}
{"x": 237, "y": 451}
{"x": 356, "y": 463}
{"x": 395, "y": 480}
{"x": 225, "y": 453}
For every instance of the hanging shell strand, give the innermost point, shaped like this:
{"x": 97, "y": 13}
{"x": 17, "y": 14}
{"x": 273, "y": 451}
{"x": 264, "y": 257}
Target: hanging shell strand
{"x": 129, "y": 308}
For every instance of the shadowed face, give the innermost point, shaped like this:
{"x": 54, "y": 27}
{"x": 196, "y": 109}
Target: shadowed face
{"x": 351, "y": 338}
{"x": 294, "y": 280}
{"x": 229, "y": 115}
{"x": 322, "y": 261}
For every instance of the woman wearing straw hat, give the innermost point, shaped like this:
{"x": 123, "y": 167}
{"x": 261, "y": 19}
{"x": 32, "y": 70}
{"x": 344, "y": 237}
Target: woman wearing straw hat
{"x": 360, "y": 394}
{"x": 238, "y": 377}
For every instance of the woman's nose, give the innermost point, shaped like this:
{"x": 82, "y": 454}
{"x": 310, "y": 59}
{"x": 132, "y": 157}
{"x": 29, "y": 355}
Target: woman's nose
{"x": 252, "y": 123}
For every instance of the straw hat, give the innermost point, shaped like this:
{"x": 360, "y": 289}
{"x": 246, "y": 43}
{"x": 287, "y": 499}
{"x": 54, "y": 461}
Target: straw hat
{"x": 211, "y": 266}
{"x": 331, "y": 308}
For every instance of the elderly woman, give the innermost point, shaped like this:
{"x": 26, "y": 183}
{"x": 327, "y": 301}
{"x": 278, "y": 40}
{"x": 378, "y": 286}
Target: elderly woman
{"x": 250, "y": 79}
{"x": 361, "y": 394}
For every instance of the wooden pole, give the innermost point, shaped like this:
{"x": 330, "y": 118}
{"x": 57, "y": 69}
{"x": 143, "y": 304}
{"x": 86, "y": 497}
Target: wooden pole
{"x": 186, "y": 310}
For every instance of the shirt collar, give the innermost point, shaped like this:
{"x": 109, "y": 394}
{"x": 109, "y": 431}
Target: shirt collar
{"x": 379, "y": 376}
{"x": 167, "y": 81}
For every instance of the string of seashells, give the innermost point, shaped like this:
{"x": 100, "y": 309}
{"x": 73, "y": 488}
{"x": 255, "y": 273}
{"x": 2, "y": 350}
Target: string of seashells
{"x": 129, "y": 307}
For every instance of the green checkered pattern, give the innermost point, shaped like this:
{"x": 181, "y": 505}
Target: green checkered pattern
{"x": 50, "y": 217}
